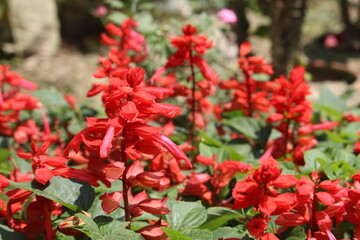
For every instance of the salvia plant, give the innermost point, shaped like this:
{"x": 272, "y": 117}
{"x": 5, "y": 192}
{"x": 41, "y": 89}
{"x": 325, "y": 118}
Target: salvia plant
{"x": 178, "y": 153}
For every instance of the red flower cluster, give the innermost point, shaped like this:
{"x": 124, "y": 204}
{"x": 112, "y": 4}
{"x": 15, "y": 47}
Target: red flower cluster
{"x": 222, "y": 174}
{"x": 125, "y": 40}
{"x": 110, "y": 142}
{"x": 190, "y": 47}
{"x": 250, "y": 95}
{"x": 294, "y": 113}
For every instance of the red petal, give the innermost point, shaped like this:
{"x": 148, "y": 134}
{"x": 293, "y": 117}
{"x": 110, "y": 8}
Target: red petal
{"x": 106, "y": 143}
{"x": 172, "y": 148}
{"x": 245, "y": 49}
{"x": 129, "y": 110}
{"x": 43, "y": 175}
{"x": 111, "y": 201}
{"x": 325, "y": 198}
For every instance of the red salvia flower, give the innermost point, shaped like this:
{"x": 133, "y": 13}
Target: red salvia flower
{"x": 259, "y": 189}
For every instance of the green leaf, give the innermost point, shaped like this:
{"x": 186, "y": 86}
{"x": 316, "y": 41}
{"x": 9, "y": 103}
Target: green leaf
{"x": 23, "y": 165}
{"x": 234, "y": 155}
{"x": 93, "y": 230}
{"x": 329, "y": 99}
{"x": 175, "y": 235}
{"x": 4, "y": 154}
{"x": 198, "y": 234}
{"x": 343, "y": 155}
{"x": 330, "y": 104}
{"x": 218, "y": 217}
{"x": 116, "y": 4}
{"x": 339, "y": 170}
{"x": 351, "y": 129}
{"x": 70, "y": 193}
{"x": 117, "y": 17}
{"x": 245, "y": 125}
{"x": 297, "y": 233}
{"x": 315, "y": 160}
{"x": 50, "y": 97}
{"x": 185, "y": 214}
{"x": 205, "y": 150}
{"x": 336, "y": 138}
{"x": 226, "y": 232}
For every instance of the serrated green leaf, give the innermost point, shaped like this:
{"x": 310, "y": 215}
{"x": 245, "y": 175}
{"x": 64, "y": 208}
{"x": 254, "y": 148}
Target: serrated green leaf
{"x": 185, "y": 214}
{"x": 245, "y": 125}
{"x": 218, "y": 217}
{"x": 227, "y": 232}
{"x": 114, "y": 229}
{"x": 70, "y": 193}
{"x": 93, "y": 229}
{"x": 314, "y": 160}
{"x": 198, "y": 234}
{"x": 233, "y": 155}
{"x": 175, "y": 235}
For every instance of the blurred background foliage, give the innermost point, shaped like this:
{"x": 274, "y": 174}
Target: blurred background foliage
{"x": 324, "y": 35}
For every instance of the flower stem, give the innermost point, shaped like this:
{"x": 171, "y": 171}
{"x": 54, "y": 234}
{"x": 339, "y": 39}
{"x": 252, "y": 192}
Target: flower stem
{"x": 124, "y": 180}
{"x": 248, "y": 89}
{"x": 286, "y": 136}
{"x": 193, "y": 100}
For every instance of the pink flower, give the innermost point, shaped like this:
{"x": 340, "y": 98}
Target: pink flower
{"x": 331, "y": 41}
{"x": 100, "y": 11}
{"x": 227, "y": 16}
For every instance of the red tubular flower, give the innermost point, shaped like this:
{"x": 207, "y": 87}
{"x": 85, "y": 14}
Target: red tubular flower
{"x": 257, "y": 226}
{"x": 195, "y": 186}
{"x": 172, "y": 148}
{"x": 154, "y": 206}
{"x": 14, "y": 79}
{"x": 41, "y": 162}
{"x": 259, "y": 189}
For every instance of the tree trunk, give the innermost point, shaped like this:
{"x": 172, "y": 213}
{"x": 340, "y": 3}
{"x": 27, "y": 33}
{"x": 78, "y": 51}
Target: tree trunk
{"x": 287, "y": 18}
{"x": 352, "y": 29}
{"x": 242, "y": 25}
